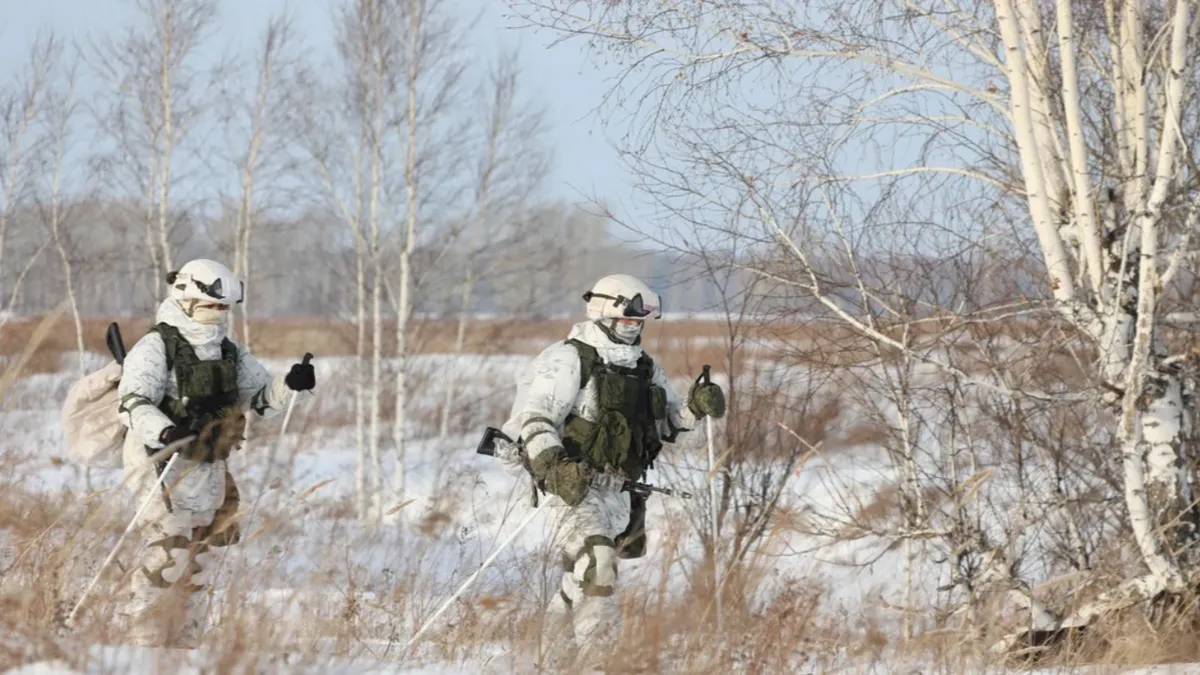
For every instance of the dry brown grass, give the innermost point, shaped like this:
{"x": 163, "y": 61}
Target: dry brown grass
{"x": 681, "y": 345}
{"x": 1160, "y": 632}
{"x": 675, "y": 342}
{"x": 666, "y": 630}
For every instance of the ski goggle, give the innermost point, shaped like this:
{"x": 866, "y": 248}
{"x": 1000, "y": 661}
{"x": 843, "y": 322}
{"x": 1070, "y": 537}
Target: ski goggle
{"x": 215, "y": 290}
{"x": 634, "y": 308}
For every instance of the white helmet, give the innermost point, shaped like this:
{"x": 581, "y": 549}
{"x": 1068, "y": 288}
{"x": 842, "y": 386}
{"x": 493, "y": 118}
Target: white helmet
{"x": 205, "y": 281}
{"x": 621, "y": 296}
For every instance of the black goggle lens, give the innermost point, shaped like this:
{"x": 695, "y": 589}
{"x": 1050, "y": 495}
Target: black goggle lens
{"x": 634, "y": 307}
{"x": 213, "y": 291}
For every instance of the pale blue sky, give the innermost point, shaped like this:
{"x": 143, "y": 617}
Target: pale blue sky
{"x": 563, "y": 78}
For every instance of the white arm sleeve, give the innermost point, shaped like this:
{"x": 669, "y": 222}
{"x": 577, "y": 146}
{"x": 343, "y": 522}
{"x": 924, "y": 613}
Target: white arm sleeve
{"x": 551, "y": 397}
{"x": 143, "y": 384}
{"x": 257, "y": 390}
{"x": 679, "y": 414}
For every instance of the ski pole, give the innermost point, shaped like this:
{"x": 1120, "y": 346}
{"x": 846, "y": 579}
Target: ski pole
{"x": 706, "y": 378}
{"x": 287, "y": 417}
{"x": 469, "y": 581}
{"x": 283, "y": 427}
{"x": 136, "y": 517}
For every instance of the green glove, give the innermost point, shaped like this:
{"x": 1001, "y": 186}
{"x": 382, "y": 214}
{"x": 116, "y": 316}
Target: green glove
{"x": 561, "y": 476}
{"x": 706, "y": 399}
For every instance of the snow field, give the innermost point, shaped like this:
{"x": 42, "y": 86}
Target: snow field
{"x": 312, "y": 589}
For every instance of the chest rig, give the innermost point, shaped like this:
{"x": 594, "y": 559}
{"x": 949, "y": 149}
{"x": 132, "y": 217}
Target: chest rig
{"x": 208, "y": 391}
{"x": 629, "y": 406}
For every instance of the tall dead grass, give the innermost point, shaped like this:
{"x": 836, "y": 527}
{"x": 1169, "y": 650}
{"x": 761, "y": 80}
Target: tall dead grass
{"x": 311, "y": 587}
{"x": 364, "y": 587}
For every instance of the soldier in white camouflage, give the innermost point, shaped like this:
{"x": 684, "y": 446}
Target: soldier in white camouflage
{"x": 595, "y": 413}
{"x": 187, "y": 385}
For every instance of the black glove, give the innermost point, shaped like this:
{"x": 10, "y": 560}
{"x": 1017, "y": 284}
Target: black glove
{"x": 173, "y": 434}
{"x": 302, "y": 376}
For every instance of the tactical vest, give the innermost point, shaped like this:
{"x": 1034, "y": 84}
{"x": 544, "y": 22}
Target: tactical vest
{"x": 629, "y": 406}
{"x": 208, "y": 390}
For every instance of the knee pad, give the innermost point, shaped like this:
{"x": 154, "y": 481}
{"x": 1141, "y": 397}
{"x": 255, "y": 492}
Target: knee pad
{"x": 201, "y": 566}
{"x": 596, "y": 567}
{"x": 166, "y": 561}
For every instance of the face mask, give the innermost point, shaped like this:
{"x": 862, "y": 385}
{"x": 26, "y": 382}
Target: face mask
{"x": 208, "y": 316}
{"x": 627, "y": 332}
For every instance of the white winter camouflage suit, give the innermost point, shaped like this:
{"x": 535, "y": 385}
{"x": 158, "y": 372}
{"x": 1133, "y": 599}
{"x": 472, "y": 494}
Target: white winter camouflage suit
{"x": 552, "y": 386}
{"x": 196, "y": 489}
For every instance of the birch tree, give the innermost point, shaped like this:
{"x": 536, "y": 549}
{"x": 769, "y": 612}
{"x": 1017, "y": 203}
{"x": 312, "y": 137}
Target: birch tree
{"x": 431, "y": 53}
{"x": 259, "y": 119}
{"x": 54, "y": 197}
{"x": 1062, "y": 127}
{"x": 157, "y": 97}
{"x": 379, "y": 48}
{"x": 22, "y": 103}
{"x": 512, "y": 164}
{"x": 346, "y": 140}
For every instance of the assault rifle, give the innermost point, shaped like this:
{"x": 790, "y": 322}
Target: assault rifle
{"x": 487, "y": 446}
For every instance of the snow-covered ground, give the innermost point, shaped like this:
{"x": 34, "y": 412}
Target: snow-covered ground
{"x": 327, "y": 593}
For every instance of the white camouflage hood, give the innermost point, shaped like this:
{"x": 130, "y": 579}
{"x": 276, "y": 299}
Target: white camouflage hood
{"x": 617, "y": 353}
{"x": 199, "y": 335}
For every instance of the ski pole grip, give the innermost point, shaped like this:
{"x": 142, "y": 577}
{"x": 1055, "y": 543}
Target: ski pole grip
{"x": 706, "y": 376}
{"x": 307, "y": 357}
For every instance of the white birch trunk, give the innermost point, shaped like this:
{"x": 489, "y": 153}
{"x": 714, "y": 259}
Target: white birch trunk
{"x": 360, "y": 377}
{"x": 355, "y": 212}
{"x": 245, "y": 220}
{"x": 376, "y": 392}
{"x": 156, "y": 283}
{"x": 1053, "y": 251}
{"x": 1084, "y": 206}
{"x": 416, "y": 18}
{"x": 1050, "y": 146}
{"x": 260, "y": 112}
{"x": 1162, "y": 422}
{"x": 166, "y": 103}
{"x": 377, "y": 281}
{"x": 1137, "y": 122}
{"x": 1151, "y": 423}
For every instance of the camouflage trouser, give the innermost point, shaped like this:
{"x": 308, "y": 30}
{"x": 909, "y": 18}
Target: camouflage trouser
{"x": 171, "y": 573}
{"x": 585, "y": 536}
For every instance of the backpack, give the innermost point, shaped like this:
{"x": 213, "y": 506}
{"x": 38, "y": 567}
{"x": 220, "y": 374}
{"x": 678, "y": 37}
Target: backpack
{"x": 93, "y": 431}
